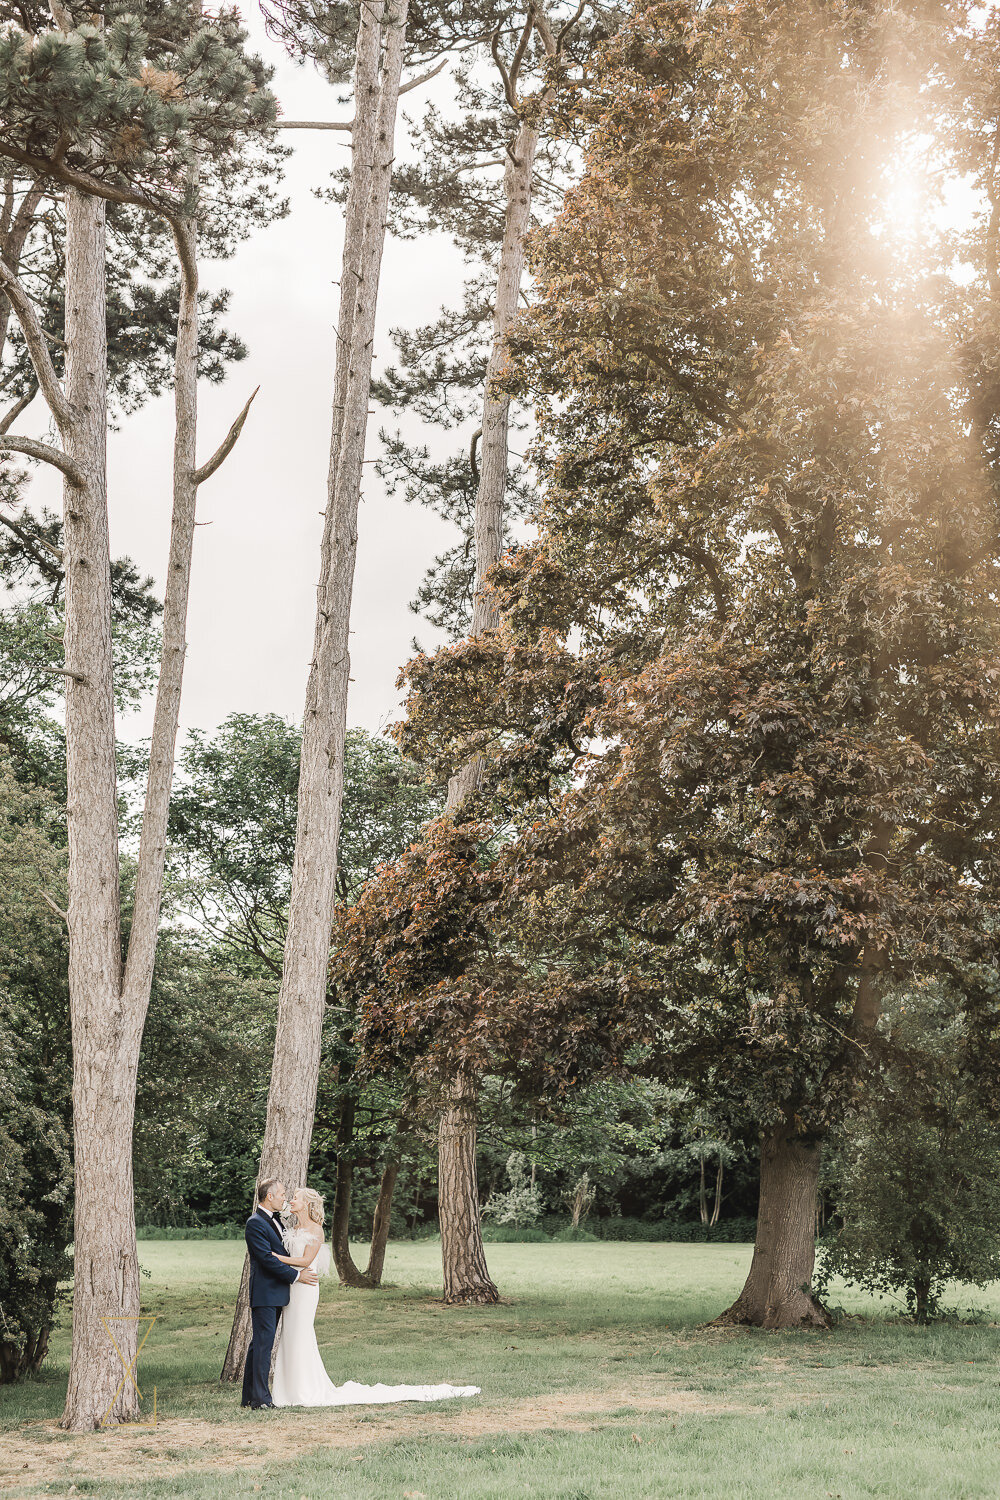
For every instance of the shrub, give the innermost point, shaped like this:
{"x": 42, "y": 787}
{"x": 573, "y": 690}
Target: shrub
{"x": 522, "y": 1203}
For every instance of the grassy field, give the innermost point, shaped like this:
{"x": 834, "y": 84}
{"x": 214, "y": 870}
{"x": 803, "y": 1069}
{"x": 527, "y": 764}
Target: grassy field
{"x": 598, "y": 1382}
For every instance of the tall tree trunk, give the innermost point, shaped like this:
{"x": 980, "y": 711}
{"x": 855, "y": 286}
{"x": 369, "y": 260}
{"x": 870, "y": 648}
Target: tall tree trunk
{"x": 105, "y": 1267}
{"x": 105, "y": 1074}
{"x": 463, "y": 1257}
{"x": 466, "y": 1276}
{"x": 295, "y": 1073}
{"x": 778, "y": 1292}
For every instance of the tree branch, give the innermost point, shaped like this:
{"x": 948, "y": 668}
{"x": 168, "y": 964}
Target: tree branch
{"x": 521, "y": 48}
{"x": 225, "y": 447}
{"x": 7, "y": 422}
{"x": 57, "y": 909}
{"x": 415, "y": 83}
{"x": 32, "y": 543}
{"x": 44, "y": 369}
{"x": 61, "y": 15}
{"x": 315, "y": 124}
{"x": 73, "y": 177}
{"x": 565, "y": 29}
{"x": 46, "y": 455}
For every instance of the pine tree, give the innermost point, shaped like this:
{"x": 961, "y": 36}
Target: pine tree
{"x": 140, "y": 116}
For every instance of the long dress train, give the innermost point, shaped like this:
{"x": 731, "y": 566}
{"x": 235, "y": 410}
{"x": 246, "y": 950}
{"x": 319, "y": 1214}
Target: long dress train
{"x": 300, "y": 1377}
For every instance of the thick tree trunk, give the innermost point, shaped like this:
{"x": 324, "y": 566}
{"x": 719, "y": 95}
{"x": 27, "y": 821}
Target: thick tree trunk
{"x": 921, "y": 1298}
{"x": 466, "y": 1277}
{"x": 106, "y": 1269}
{"x": 778, "y": 1292}
{"x": 104, "y": 1090}
{"x": 301, "y": 1002}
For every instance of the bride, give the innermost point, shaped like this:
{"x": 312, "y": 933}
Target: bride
{"x": 300, "y": 1377}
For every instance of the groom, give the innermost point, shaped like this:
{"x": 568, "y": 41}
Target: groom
{"x": 269, "y": 1283}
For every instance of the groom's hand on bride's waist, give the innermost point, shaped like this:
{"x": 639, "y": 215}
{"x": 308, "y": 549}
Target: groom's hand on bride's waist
{"x": 308, "y": 1276}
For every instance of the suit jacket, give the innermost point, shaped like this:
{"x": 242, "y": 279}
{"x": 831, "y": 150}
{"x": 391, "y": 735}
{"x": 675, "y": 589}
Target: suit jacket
{"x": 269, "y": 1278}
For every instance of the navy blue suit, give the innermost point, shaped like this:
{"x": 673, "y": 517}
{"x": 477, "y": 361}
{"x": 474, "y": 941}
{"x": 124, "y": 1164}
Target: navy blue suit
{"x": 270, "y": 1280}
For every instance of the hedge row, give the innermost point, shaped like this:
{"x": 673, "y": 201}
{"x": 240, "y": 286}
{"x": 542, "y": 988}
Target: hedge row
{"x": 189, "y": 1232}
{"x": 728, "y": 1231}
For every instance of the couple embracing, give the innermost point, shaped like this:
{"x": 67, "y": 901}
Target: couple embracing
{"x": 285, "y": 1266}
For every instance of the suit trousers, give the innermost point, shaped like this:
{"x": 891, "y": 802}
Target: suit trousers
{"x": 257, "y": 1370}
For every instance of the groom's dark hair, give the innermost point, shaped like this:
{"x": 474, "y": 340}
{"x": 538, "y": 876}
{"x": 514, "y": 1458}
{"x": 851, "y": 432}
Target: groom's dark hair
{"x": 263, "y": 1188}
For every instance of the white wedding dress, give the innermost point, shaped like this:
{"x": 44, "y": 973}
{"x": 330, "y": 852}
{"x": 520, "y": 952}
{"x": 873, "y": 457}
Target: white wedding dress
{"x": 300, "y": 1377}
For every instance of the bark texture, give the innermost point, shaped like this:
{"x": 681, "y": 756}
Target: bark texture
{"x": 301, "y": 1001}
{"x": 778, "y": 1291}
{"x": 466, "y": 1276}
{"x": 108, "y": 1007}
{"x": 493, "y": 462}
{"x": 106, "y": 1268}
{"x": 166, "y": 714}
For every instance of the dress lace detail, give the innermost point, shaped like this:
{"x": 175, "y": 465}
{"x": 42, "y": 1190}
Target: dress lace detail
{"x": 300, "y": 1377}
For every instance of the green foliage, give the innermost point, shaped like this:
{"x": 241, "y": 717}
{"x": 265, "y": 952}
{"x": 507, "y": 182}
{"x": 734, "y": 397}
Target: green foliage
{"x": 35, "y": 1167}
{"x": 915, "y": 1170}
{"x": 137, "y": 102}
{"x": 232, "y": 827}
{"x": 521, "y": 1204}
{"x": 742, "y": 705}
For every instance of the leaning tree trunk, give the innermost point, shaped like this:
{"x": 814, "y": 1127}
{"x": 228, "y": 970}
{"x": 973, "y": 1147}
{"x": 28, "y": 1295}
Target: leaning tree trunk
{"x": 349, "y": 1273}
{"x": 295, "y": 1072}
{"x": 778, "y": 1292}
{"x": 380, "y": 1223}
{"x": 105, "y": 1267}
{"x": 466, "y": 1276}
{"x": 463, "y": 1258}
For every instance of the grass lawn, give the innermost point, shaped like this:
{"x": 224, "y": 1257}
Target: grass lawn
{"x": 598, "y": 1382}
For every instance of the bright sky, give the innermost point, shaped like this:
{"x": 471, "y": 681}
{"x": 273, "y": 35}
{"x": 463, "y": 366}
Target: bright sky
{"x": 256, "y": 565}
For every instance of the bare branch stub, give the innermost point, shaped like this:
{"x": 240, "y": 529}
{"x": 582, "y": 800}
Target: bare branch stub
{"x": 57, "y": 909}
{"x": 226, "y": 446}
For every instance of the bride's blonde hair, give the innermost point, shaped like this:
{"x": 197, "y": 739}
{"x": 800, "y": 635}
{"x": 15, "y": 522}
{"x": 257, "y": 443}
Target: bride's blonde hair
{"x": 314, "y": 1204}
